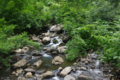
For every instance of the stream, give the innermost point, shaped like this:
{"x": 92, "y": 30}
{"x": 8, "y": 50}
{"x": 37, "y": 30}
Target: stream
{"x": 89, "y": 66}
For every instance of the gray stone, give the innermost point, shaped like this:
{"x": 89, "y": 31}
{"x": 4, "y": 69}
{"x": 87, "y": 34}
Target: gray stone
{"x": 21, "y": 78}
{"x": 65, "y": 71}
{"x": 39, "y": 77}
{"x": 46, "y": 40}
{"x": 21, "y": 63}
{"x": 29, "y": 70}
{"x": 28, "y": 75}
{"x": 83, "y": 68}
{"x": 82, "y": 77}
{"x": 48, "y": 74}
{"x": 56, "y": 28}
{"x": 69, "y": 77}
{"x": 57, "y": 60}
{"x": 38, "y": 63}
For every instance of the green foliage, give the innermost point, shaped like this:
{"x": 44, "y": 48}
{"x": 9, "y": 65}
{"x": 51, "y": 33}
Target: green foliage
{"x": 9, "y": 41}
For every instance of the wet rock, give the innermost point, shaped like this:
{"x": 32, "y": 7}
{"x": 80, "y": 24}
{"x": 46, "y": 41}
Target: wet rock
{"x": 21, "y": 78}
{"x": 57, "y": 60}
{"x": 65, "y": 71}
{"x": 46, "y": 40}
{"x": 83, "y": 68}
{"x": 25, "y": 49}
{"x": 62, "y": 44}
{"x": 28, "y": 75}
{"x": 83, "y": 60}
{"x": 56, "y": 28}
{"x": 41, "y": 71}
{"x": 55, "y": 41}
{"x": 19, "y": 64}
{"x": 48, "y": 74}
{"x": 82, "y": 77}
{"x": 39, "y": 77}
{"x": 69, "y": 77}
{"x": 36, "y": 53}
{"x": 38, "y": 63}
{"x": 29, "y": 70}
{"x": 61, "y": 49}
{"x": 92, "y": 66}
{"x": 59, "y": 70}
{"x": 19, "y": 71}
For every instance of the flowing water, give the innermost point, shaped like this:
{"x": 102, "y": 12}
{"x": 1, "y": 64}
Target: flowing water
{"x": 97, "y": 73}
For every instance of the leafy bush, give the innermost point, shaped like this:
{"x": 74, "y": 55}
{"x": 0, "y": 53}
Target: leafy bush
{"x": 9, "y": 41}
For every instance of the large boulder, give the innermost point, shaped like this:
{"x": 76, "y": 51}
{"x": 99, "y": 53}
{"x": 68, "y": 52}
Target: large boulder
{"x": 21, "y": 63}
{"x": 46, "y": 40}
{"x": 21, "y": 78}
{"x": 38, "y": 63}
{"x": 65, "y": 71}
{"x": 69, "y": 77}
{"x": 39, "y": 77}
{"x": 56, "y": 28}
{"x": 48, "y": 74}
{"x": 28, "y": 75}
{"x": 57, "y": 60}
{"x": 61, "y": 49}
{"x": 83, "y": 77}
{"x": 19, "y": 51}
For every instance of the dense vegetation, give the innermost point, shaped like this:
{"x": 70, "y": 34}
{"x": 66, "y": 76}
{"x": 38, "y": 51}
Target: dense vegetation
{"x": 91, "y": 24}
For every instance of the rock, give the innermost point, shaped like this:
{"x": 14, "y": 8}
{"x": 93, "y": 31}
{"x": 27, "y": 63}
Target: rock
{"x": 39, "y": 77}
{"x": 55, "y": 41}
{"x": 21, "y": 78}
{"x": 41, "y": 71}
{"x": 29, "y": 70}
{"x": 53, "y": 35}
{"x": 61, "y": 49}
{"x": 106, "y": 79}
{"x": 36, "y": 53}
{"x": 56, "y": 28}
{"x": 35, "y": 38}
{"x": 47, "y": 34}
{"x": 65, "y": 71}
{"x": 62, "y": 44}
{"x": 13, "y": 73}
{"x": 31, "y": 47}
{"x": 59, "y": 69}
{"x": 83, "y": 68}
{"x": 46, "y": 40}
{"x": 86, "y": 62}
{"x": 19, "y": 71}
{"x": 65, "y": 38}
{"x": 21, "y": 63}
{"x": 69, "y": 77}
{"x": 28, "y": 75}
{"x": 57, "y": 60}
{"x": 19, "y": 51}
{"x": 92, "y": 66}
{"x": 25, "y": 49}
{"x": 38, "y": 63}
{"x": 55, "y": 52}
{"x": 48, "y": 74}
{"x": 82, "y": 77}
